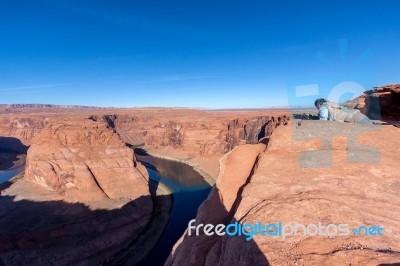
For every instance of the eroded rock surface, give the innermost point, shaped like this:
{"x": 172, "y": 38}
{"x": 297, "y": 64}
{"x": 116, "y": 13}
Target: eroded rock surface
{"x": 84, "y": 162}
{"x": 16, "y": 131}
{"x": 82, "y": 180}
{"x": 219, "y": 208}
{"x": 280, "y": 189}
{"x": 194, "y": 136}
{"x": 205, "y": 134}
{"x": 379, "y": 103}
{"x": 81, "y": 200}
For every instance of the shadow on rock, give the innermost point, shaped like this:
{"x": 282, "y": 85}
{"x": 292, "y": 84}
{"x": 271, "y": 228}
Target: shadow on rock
{"x": 61, "y": 233}
{"x": 10, "y": 149}
{"x": 216, "y": 250}
{"x": 13, "y": 144}
{"x": 8, "y": 159}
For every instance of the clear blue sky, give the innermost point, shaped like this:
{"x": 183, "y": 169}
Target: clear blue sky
{"x": 214, "y": 54}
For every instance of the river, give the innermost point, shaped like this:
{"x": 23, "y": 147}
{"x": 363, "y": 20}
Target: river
{"x": 11, "y": 164}
{"x": 188, "y": 187}
{"x": 189, "y": 190}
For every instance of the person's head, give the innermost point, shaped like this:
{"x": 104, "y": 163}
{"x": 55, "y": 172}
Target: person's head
{"x": 319, "y": 102}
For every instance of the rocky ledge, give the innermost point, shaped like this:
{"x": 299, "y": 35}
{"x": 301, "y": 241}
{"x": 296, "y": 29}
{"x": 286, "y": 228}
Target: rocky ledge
{"x": 312, "y": 172}
{"x": 379, "y": 103}
{"x": 82, "y": 198}
{"x": 85, "y": 198}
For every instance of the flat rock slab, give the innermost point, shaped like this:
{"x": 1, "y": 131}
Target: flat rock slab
{"x": 291, "y": 185}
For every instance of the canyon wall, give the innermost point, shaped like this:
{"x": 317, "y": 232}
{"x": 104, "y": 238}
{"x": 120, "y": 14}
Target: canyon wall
{"x": 208, "y": 134}
{"x": 379, "y": 103}
{"x": 198, "y": 138}
{"x": 288, "y": 184}
{"x": 205, "y": 134}
{"x": 21, "y": 128}
{"x": 85, "y": 161}
{"x": 80, "y": 173}
{"x": 82, "y": 199}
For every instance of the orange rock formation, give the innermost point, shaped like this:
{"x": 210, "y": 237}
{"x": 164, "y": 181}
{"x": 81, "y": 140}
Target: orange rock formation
{"x": 282, "y": 189}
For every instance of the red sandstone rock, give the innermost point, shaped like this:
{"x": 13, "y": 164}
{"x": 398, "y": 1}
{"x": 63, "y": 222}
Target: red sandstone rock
{"x": 85, "y": 161}
{"x": 194, "y": 136}
{"x": 23, "y": 128}
{"x": 77, "y": 160}
{"x": 79, "y": 173}
{"x": 380, "y": 102}
{"x": 281, "y": 190}
{"x": 81, "y": 200}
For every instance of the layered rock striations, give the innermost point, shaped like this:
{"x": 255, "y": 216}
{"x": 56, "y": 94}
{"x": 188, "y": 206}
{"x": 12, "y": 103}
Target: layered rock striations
{"x": 205, "y": 133}
{"x": 379, "y": 103}
{"x": 84, "y": 162}
{"x": 84, "y": 198}
{"x": 81, "y": 201}
{"x": 23, "y": 128}
{"x": 83, "y": 192}
{"x": 219, "y": 208}
{"x": 198, "y": 138}
{"x": 358, "y": 187}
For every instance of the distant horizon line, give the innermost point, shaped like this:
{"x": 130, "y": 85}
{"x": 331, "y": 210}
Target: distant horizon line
{"x": 42, "y": 105}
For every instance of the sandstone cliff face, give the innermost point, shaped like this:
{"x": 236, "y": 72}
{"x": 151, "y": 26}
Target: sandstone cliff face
{"x": 205, "y": 134}
{"x": 285, "y": 187}
{"x": 84, "y": 162}
{"x": 23, "y": 128}
{"x": 196, "y": 137}
{"x": 380, "y": 102}
{"x": 82, "y": 199}
{"x": 219, "y": 208}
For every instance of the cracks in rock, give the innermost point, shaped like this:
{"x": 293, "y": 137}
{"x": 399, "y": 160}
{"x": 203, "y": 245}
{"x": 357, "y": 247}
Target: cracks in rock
{"x": 254, "y": 207}
{"x": 97, "y": 182}
{"x": 239, "y": 197}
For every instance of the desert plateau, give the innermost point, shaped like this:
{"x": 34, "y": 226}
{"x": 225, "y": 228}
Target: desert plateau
{"x": 199, "y": 133}
{"x": 84, "y": 192}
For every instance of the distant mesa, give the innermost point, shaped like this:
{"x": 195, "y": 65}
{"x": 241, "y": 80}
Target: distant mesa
{"x": 85, "y": 195}
{"x": 39, "y": 105}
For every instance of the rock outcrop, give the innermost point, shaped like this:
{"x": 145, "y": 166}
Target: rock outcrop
{"x": 379, "y": 103}
{"x": 23, "y": 128}
{"x": 207, "y": 134}
{"x": 82, "y": 199}
{"x": 196, "y": 137}
{"x": 287, "y": 185}
{"x": 79, "y": 172}
{"x": 84, "y": 162}
{"x": 219, "y": 208}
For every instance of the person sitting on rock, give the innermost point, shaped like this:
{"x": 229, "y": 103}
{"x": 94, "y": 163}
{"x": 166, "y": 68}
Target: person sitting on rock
{"x": 336, "y": 112}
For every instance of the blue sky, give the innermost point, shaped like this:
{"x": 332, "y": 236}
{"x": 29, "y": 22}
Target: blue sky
{"x": 214, "y": 54}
